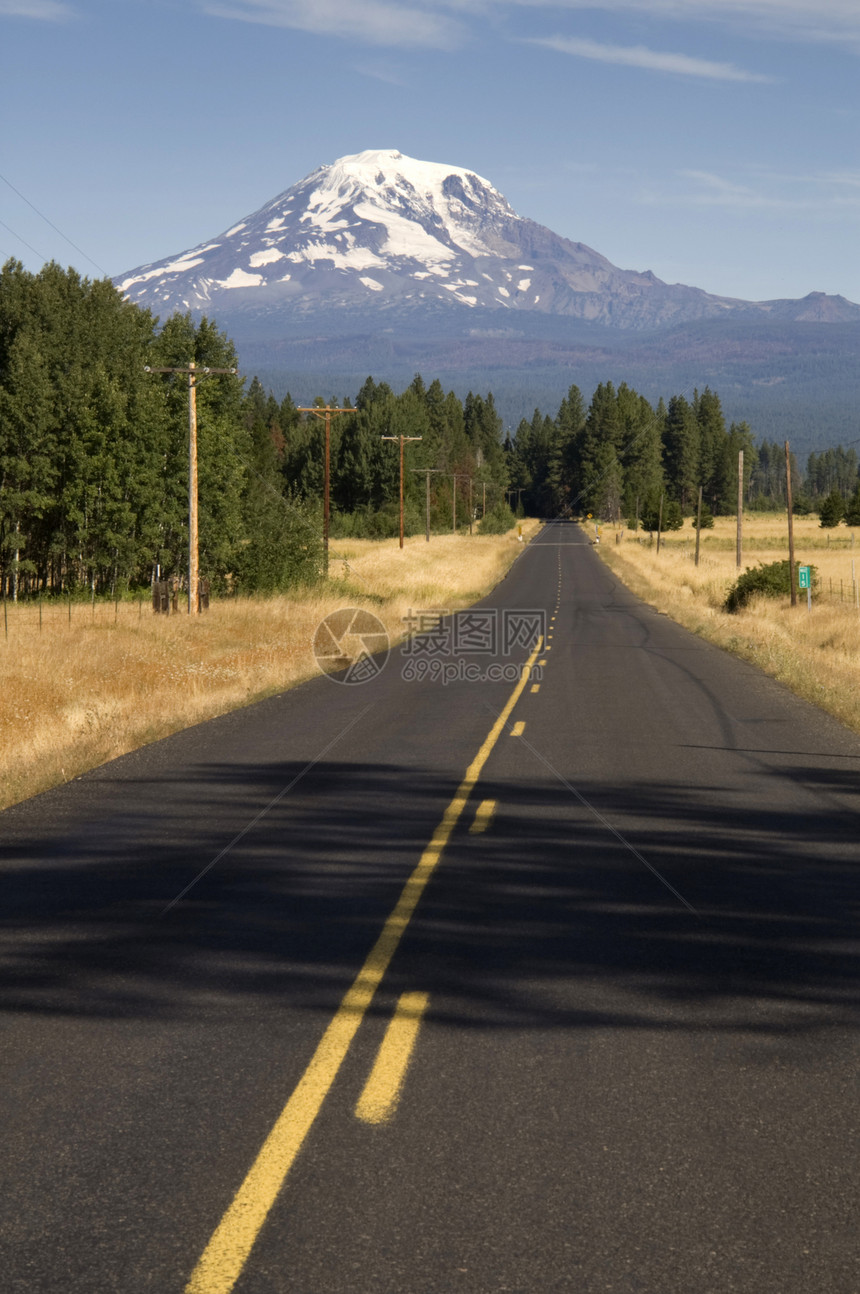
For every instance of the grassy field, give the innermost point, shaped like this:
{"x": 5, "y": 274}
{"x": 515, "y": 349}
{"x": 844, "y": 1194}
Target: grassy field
{"x": 817, "y": 653}
{"x": 78, "y": 688}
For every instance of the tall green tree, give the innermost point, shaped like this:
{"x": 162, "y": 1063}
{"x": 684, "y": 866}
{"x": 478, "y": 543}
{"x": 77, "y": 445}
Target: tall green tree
{"x": 681, "y": 452}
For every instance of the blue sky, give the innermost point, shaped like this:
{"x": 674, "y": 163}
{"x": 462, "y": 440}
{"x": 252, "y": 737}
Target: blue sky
{"x": 714, "y": 142}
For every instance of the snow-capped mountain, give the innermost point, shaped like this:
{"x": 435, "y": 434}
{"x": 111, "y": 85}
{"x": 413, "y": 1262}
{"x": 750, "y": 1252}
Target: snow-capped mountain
{"x": 378, "y": 231}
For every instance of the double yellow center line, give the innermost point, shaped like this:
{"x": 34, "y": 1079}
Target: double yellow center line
{"x": 378, "y": 1100}
{"x": 227, "y": 1252}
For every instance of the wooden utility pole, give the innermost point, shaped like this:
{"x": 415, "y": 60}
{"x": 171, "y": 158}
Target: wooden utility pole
{"x": 325, "y": 411}
{"x": 402, "y": 439}
{"x": 193, "y": 545}
{"x": 462, "y": 476}
{"x": 194, "y": 374}
{"x": 483, "y": 485}
{"x": 659, "y": 523}
{"x": 791, "y": 571}
{"x": 740, "y": 543}
{"x": 698, "y": 525}
{"x": 428, "y": 472}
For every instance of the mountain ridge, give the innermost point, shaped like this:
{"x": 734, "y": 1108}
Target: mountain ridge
{"x": 365, "y": 267}
{"x": 378, "y": 232}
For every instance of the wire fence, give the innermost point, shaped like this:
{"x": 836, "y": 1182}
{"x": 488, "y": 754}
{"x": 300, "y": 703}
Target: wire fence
{"x": 35, "y": 614}
{"x": 31, "y": 616}
{"x": 845, "y": 592}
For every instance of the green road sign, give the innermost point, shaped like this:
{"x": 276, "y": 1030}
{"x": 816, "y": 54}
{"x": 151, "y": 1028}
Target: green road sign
{"x": 803, "y": 573}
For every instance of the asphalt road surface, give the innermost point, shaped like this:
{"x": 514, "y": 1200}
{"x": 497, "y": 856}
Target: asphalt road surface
{"x": 466, "y": 978}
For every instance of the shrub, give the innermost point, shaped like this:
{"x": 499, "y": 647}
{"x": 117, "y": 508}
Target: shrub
{"x": 707, "y": 518}
{"x": 382, "y": 523}
{"x": 497, "y": 520}
{"x": 772, "y": 580}
{"x": 673, "y": 517}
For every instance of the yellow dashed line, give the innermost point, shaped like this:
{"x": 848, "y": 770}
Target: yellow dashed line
{"x": 483, "y": 817}
{"x": 378, "y": 1101}
{"x": 222, "y": 1260}
{"x": 519, "y": 728}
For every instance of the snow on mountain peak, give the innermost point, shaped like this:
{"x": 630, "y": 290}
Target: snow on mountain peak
{"x": 429, "y": 210}
{"x": 377, "y": 210}
{"x": 383, "y": 232}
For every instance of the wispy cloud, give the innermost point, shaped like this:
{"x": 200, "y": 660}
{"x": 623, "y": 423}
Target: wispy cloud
{"x": 43, "y": 10}
{"x": 388, "y": 75}
{"x": 819, "y": 20}
{"x": 650, "y": 60}
{"x": 849, "y": 178}
{"x": 824, "y": 196}
{"x": 448, "y": 24}
{"x": 374, "y": 22}
{"x": 716, "y": 190}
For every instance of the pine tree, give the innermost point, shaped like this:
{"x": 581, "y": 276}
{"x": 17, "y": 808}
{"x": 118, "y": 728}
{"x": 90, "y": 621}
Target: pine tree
{"x": 641, "y": 454}
{"x": 712, "y": 435}
{"x": 602, "y": 482}
{"x": 852, "y": 508}
{"x": 681, "y": 441}
{"x": 832, "y": 510}
{"x": 570, "y": 421}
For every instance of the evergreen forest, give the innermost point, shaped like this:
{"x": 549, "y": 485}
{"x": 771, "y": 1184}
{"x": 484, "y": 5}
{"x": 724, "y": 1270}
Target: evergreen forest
{"x": 94, "y": 455}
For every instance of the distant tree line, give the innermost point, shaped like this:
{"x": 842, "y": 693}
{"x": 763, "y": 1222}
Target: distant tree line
{"x": 93, "y": 454}
{"x": 94, "y": 466}
{"x": 459, "y": 441}
{"x": 93, "y": 449}
{"x": 619, "y": 456}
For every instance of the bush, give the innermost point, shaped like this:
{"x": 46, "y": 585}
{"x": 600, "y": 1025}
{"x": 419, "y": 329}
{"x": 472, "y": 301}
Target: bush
{"x": 707, "y": 518}
{"x": 283, "y": 548}
{"x": 381, "y": 523}
{"x": 497, "y": 520}
{"x": 673, "y": 517}
{"x": 773, "y": 581}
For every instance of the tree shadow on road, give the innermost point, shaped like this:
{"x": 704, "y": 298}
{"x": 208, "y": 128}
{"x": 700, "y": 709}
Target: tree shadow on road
{"x": 546, "y": 898}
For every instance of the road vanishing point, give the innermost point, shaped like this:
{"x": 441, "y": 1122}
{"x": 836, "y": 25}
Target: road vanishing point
{"x": 542, "y": 978}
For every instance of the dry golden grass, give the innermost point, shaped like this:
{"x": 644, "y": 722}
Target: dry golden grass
{"x": 76, "y": 693}
{"x": 816, "y": 654}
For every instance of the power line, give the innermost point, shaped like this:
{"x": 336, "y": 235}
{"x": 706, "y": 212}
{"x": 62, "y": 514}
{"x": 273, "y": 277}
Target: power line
{"x": 23, "y": 240}
{"x": 42, "y": 216}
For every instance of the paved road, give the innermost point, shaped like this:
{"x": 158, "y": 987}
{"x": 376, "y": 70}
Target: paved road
{"x": 629, "y": 981}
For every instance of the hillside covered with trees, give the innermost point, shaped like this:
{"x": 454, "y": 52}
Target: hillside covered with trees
{"x": 93, "y": 454}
